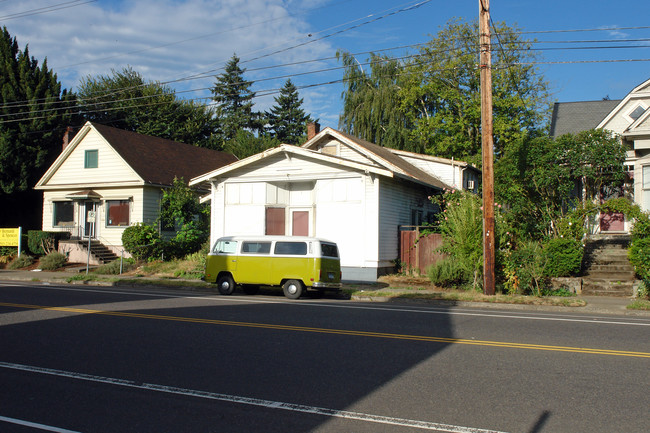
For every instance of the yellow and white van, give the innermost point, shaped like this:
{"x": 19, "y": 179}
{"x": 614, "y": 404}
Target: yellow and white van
{"x": 293, "y": 262}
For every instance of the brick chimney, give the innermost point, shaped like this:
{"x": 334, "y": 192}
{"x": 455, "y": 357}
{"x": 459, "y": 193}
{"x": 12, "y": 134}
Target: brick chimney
{"x": 313, "y": 128}
{"x": 66, "y": 137}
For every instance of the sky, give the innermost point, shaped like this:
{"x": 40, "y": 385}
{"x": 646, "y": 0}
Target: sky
{"x": 589, "y": 50}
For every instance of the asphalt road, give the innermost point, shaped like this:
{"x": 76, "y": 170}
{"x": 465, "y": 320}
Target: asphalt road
{"x": 83, "y": 359}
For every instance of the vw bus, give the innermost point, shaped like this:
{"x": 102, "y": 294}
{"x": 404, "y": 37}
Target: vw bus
{"x": 295, "y": 263}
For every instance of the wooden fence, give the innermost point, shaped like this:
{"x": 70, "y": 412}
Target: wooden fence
{"x": 418, "y": 252}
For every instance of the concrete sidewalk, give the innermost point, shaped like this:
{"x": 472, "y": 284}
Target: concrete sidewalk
{"x": 595, "y": 304}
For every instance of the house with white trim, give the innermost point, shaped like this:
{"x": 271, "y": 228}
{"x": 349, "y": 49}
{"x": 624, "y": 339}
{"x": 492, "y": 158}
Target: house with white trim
{"x": 629, "y": 118}
{"x": 106, "y": 179}
{"x": 336, "y": 187}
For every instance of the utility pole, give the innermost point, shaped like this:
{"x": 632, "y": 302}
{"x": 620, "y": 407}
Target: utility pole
{"x": 487, "y": 142}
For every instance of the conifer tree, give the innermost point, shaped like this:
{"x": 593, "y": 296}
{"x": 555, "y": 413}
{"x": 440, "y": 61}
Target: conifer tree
{"x": 234, "y": 99}
{"x": 287, "y": 118}
{"x": 34, "y": 113}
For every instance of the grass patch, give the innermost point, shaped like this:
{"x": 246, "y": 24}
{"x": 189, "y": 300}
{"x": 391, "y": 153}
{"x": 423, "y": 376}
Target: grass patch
{"x": 639, "y": 304}
{"x": 465, "y": 296}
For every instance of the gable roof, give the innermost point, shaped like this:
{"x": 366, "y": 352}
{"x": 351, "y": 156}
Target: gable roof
{"x": 157, "y": 161}
{"x": 383, "y": 156}
{"x": 293, "y": 150}
{"x": 574, "y": 117}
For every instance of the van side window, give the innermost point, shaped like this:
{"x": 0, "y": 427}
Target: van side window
{"x": 329, "y": 250}
{"x": 227, "y": 247}
{"x": 256, "y": 247}
{"x": 291, "y": 248}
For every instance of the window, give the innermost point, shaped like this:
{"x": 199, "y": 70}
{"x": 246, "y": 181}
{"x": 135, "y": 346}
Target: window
{"x": 256, "y": 247}
{"x": 329, "y": 250}
{"x": 275, "y": 221}
{"x": 227, "y": 247}
{"x": 91, "y": 158}
{"x": 291, "y": 248}
{"x": 646, "y": 177}
{"x": 117, "y": 212}
{"x": 637, "y": 112}
{"x": 63, "y": 214}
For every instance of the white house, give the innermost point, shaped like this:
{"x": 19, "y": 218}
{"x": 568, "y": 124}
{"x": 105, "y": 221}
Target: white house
{"x": 336, "y": 187}
{"x": 106, "y": 179}
{"x": 629, "y": 118}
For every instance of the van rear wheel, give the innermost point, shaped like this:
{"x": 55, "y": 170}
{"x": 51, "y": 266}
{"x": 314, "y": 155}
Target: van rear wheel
{"x": 226, "y": 284}
{"x": 293, "y": 289}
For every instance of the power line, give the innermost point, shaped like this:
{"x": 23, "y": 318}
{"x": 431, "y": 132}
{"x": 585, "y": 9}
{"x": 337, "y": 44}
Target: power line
{"x": 46, "y": 9}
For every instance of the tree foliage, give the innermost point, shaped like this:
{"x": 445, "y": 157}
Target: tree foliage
{"x": 432, "y": 100}
{"x": 286, "y": 118}
{"x": 234, "y": 98}
{"x": 125, "y": 100}
{"x": 35, "y": 112}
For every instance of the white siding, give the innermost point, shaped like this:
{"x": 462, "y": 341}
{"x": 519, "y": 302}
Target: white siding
{"x": 111, "y": 167}
{"x": 397, "y": 200}
{"x": 108, "y": 235}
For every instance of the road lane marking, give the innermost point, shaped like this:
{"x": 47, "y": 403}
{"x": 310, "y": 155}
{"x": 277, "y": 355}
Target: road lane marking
{"x": 35, "y": 425}
{"x": 430, "y": 339}
{"x": 269, "y": 404}
{"x": 548, "y": 316}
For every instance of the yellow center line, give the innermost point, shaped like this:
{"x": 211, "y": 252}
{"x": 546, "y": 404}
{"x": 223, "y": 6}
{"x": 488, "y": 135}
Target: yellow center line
{"x": 339, "y": 331}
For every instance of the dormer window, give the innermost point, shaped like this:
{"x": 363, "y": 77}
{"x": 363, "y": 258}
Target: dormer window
{"x": 637, "y": 112}
{"x": 91, "y": 158}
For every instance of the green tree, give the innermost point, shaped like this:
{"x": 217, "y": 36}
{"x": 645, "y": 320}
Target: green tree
{"x": 180, "y": 205}
{"x": 125, "y": 100}
{"x": 371, "y": 104}
{"x": 286, "y": 118}
{"x": 234, "y": 99}
{"x": 245, "y": 144}
{"x": 34, "y": 113}
{"x": 435, "y": 95}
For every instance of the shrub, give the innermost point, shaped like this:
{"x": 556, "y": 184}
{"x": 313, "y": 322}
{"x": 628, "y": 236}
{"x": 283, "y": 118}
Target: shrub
{"x": 639, "y": 255}
{"x": 524, "y": 269}
{"x": 450, "y": 273}
{"x": 142, "y": 241}
{"x": 113, "y": 268}
{"x": 40, "y": 242}
{"x": 52, "y": 261}
{"x": 21, "y": 262}
{"x": 563, "y": 257}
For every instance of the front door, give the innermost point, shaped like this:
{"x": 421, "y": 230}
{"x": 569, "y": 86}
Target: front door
{"x": 88, "y": 219}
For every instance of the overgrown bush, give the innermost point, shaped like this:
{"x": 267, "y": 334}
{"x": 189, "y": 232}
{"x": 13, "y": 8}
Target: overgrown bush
{"x": 563, "y": 257}
{"x": 449, "y": 273}
{"x": 639, "y": 255}
{"x": 524, "y": 269}
{"x": 52, "y": 261}
{"x": 21, "y": 261}
{"x": 41, "y": 242}
{"x": 113, "y": 268}
{"x": 142, "y": 241}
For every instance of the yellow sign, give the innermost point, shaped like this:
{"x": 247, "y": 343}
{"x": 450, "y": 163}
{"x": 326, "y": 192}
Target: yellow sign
{"x": 9, "y": 237}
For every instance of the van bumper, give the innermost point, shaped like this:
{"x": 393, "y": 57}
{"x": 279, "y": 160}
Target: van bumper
{"x": 324, "y": 285}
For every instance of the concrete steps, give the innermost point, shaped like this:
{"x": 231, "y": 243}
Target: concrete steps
{"x": 606, "y": 269}
{"x": 98, "y": 250}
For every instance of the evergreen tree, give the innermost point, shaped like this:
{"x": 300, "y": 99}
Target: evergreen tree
{"x": 234, "y": 99}
{"x": 34, "y": 113}
{"x": 127, "y": 101}
{"x": 286, "y": 118}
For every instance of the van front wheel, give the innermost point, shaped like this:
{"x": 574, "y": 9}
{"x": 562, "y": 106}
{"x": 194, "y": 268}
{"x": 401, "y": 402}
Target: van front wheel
{"x": 293, "y": 289}
{"x": 226, "y": 284}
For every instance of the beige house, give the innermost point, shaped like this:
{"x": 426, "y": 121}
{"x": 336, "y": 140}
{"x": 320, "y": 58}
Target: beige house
{"x": 629, "y": 118}
{"x": 337, "y": 187}
{"x": 107, "y": 179}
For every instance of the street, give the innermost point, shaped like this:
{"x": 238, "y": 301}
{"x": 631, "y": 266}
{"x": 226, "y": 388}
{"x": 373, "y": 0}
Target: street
{"x": 106, "y": 359}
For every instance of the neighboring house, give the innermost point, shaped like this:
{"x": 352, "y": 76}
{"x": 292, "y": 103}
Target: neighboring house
{"x": 336, "y": 187}
{"x": 107, "y": 179}
{"x": 628, "y": 118}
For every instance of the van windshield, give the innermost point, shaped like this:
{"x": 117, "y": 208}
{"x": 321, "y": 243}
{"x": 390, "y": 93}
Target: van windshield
{"x": 228, "y": 247}
{"x": 291, "y": 248}
{"x": 329, "y": 250}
